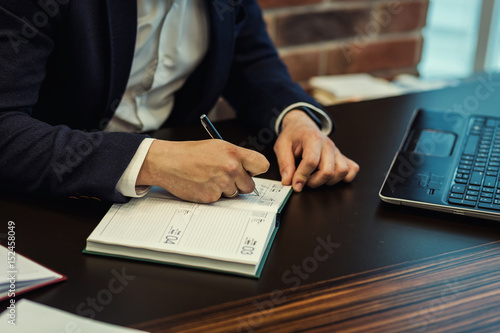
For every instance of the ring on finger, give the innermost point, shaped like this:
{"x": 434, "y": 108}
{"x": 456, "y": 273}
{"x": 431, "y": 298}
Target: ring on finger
{"x": 232, "y": 195}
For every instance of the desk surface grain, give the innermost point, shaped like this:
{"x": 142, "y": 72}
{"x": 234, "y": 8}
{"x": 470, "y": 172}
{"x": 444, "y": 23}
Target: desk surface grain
{"x": 458, "y": 291}
{"x": 364, "y": 234}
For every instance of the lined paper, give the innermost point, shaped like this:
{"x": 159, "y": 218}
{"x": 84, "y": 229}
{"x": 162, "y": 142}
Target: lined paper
{"x": 187, "y": 228}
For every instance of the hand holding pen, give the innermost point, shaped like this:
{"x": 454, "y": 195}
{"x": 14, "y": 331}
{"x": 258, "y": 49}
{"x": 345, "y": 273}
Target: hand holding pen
{"x": 214, "y": 134}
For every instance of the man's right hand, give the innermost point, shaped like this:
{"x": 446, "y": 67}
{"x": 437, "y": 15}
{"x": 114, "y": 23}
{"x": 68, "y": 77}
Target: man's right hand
{"x": 201, "y": 171}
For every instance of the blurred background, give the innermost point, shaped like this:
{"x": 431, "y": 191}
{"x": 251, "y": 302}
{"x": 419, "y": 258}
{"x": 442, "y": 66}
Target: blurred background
{"x": 412, "y": 45}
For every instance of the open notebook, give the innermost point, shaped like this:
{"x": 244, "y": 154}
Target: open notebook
{"x": 230, "y": 235}
{"x": 22, "y": 274}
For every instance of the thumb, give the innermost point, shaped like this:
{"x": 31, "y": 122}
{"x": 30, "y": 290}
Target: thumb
{"x": 253, "y": 162}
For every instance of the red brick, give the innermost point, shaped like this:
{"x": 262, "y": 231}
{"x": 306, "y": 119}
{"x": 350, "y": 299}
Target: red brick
{"x": 302, "y": 65}
{"x": 407, "y": 16}
{"x": 374, "y": 55}
{"x": 286, "y": 3}
{"x": 303, "y": 28}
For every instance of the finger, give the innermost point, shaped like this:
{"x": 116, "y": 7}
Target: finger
{"x": 230, "y": 194}
{"x": 286, "y": 160}
{"x": 245, "y": 184}
{"x": 310, "y": 160}
{"x": 353, "y": 170}
{"x": 341, "y": 168}
{"x": 253, "y": 162}
{"x": 326, "y": 167}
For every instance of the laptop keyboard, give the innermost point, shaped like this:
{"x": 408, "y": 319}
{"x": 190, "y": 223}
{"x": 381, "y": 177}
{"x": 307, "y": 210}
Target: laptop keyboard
{"x": 476, "y": 182}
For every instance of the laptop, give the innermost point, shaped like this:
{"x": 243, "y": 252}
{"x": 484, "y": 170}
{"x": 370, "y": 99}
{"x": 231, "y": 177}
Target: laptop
{"x": 447, "y": 162}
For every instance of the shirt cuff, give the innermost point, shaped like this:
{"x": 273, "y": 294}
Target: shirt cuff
{"x": 326, "y": 122}
{"x": 126, "y": 185}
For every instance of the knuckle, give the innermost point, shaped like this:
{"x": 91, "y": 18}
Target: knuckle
{"x": 343, "y": 171}
{"x": 210, "y": 197}
{"x": 232, "y": 167}
{"x": 329, "y": 172}
{"x": 309, "y": 163}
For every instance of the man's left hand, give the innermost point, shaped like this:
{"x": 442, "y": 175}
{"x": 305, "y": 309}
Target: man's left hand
{"x": 321, "y": 161}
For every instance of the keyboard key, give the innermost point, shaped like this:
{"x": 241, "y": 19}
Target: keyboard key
{"x": 485, "y": 200}
{"x": 458, "y": 188}
{"x": 469, "y": 192}
{"x": 470, "y": 146}
{"x": 490, "y": 123}
{"x": 476, "y": 178}
{"x": 492, "y": 173}
{"x": 496, "y": 201}
{"x": 474, "y": 188}
{"x": 461, "y": 181}
{"x": 488, "y": 206}
{"x": 462, "y": 202}
{"x": 489, "y": 181}
{"x": 471, "y": 198}
{"x": 486, "y": 195}
{"x": 456, "y": 195}
{"x": 488, "y": 190}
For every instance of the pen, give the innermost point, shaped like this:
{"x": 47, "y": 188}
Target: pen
{"x": 214, "y": 134}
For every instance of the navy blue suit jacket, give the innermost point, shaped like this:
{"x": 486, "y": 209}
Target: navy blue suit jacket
{"x": 64, "y": 66}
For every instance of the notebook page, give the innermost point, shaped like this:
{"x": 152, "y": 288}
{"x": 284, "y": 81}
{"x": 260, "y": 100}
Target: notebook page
{"x": 186, "y": 228}
{"x": 27, "y": 271}
{"x": 272, "y": 195}
{"x": 39, "y": 318}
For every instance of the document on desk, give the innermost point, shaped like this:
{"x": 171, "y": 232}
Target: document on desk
{"x": 230, "y": 235}
{"x": 22, "y": 274}
{"x": 35, "y": 317}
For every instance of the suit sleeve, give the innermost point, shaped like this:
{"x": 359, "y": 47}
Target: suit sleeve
{"x": 36, "y": 157}
{"x": 259, "y": 86}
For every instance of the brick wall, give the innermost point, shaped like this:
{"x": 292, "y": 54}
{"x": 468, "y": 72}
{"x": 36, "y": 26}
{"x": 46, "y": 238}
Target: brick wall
{"x": 325, "y": 37}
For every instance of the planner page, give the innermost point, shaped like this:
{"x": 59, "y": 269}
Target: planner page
{"x": 272, "y": 195}
{"x": 173, "y": 226}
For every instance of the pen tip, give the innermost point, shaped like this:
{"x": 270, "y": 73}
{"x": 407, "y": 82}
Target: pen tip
{"x": 256, "y": 192}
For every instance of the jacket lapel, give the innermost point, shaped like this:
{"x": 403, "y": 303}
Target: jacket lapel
{"x": 122, "y": 20}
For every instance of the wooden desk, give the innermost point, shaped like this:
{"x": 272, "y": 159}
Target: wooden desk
{"x": 368, "y": 234}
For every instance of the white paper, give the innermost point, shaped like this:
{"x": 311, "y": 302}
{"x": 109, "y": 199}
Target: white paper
{"x": 32, "y": 317}
{"x": 27, "y": 272}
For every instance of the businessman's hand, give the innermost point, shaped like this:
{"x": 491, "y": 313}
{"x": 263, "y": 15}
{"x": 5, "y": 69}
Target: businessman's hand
{"x": 321, "y": 162}
{"x": 201, "y": 171}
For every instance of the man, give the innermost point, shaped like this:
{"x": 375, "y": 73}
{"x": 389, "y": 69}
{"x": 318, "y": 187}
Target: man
{"x": 80, "y": 79}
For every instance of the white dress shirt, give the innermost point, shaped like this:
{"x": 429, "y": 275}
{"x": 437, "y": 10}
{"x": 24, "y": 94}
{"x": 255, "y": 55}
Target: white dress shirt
{"x": 172, "y": 39}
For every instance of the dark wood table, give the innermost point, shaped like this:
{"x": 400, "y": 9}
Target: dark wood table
{"x": 379, "y": 267}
